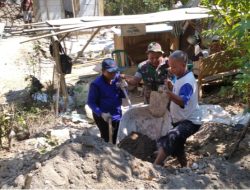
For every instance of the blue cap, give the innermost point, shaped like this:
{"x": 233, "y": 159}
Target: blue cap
{"x": 109, "y": 65}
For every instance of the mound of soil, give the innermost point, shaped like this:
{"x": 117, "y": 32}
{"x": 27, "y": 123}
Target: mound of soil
{"x": 87, "y": 162}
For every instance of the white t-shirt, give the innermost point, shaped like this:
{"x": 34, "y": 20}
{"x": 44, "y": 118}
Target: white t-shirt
{"x": 186, "y": 88}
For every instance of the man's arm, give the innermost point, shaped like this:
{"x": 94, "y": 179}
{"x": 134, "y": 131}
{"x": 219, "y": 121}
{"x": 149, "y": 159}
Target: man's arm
{"x": 132, "y": 80}
{"x": 175, "y": 98}
{"x": 184, "y": 96}
{"x": 93, "y": 98}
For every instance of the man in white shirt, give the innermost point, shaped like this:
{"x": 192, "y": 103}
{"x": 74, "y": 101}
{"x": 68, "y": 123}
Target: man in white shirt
{"x": 184, "y": 110}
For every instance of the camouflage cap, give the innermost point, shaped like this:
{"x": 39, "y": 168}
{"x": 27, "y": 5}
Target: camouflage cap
{"x": 154, "y": 47}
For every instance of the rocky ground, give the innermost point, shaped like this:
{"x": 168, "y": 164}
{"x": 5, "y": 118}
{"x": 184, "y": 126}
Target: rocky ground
{"x": 66, "y": 153}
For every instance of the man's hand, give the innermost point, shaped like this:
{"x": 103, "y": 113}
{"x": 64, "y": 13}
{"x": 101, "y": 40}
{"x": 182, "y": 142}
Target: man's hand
{"x": 169, "y": 85}
{"x": 106, "y": 116}
{"x": 122, "y": 84}
{"x": 164, "y": 90}
{"x": 123, "y": 76}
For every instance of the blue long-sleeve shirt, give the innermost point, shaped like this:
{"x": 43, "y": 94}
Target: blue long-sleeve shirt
{"x": 104, "y": 97}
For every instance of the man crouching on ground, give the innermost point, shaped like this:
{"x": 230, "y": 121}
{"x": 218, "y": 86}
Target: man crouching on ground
{"x": 184, "y": 110}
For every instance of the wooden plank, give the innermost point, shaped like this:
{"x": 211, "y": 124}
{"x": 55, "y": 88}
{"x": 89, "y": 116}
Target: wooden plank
{"x": 215, "y": 66}
{"x": 218, "y": 63}
{"x": 86, "y": 45}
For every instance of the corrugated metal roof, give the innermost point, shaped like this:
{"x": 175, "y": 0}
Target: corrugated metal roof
{"x": 87, "y": 22}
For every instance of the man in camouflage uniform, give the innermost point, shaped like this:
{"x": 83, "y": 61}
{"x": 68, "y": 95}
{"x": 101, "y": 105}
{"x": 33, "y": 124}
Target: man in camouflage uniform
{"x": 153, "y": 71}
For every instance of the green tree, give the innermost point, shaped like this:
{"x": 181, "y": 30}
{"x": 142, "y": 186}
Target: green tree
{"x": 232, "y": 24}
{"x": 119, "y": 7}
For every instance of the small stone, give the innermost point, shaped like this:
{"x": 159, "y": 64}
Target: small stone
{"x": 213, "y": 177}
{"x": 71, "y": 181}
{"x": 19, "y": 181}
{"x": 215, "y": 186}
{"x": 46, "y": 182}
{"x": 94, "y": 176}
{"x": 139, "y": 187}
{"x": 38, "y": 165}
{"x": 5, "y": 186}
{"x": 201, "y": 172}
{"x": 211, "y": 166}
{"x": 72, "y": 186}
{"x": 176, "y": 172}
{"x": 206, "y": 154}
{"x": 202, "y": 165}
{"x": 185, "y": 170}
{"x": 195, "y": 166}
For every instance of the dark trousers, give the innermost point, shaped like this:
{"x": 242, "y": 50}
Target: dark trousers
{"x": 104, "y": 128}
{"x": 174, "y": 141}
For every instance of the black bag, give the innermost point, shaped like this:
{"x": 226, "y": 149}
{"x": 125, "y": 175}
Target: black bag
{"x": 66, "y": 61}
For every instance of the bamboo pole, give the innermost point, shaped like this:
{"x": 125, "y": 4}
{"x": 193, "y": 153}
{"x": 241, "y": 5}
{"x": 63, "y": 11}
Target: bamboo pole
{"x": 39, "y": 29}
{"x": 56, "y": 33}
{"x": 85, "y": 46}
{"x": 33, "y": 24}
{"x": 61, "y": 76}
{"x": 57, "y": 62}
{"x": 61, "y": 39}
{"x": 73, "y": 8}
{"x": 47, "y": 9}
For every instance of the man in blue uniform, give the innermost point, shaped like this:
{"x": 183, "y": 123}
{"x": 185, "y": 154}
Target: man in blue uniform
{"x": 105, "y": 99}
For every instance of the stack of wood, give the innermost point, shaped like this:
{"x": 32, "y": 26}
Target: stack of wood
{"x": 216, "y": 66}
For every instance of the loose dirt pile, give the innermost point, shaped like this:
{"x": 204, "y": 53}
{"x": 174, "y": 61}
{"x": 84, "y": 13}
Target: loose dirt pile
{"x": 88, "y": 162}
{"x": 84, "y": 162}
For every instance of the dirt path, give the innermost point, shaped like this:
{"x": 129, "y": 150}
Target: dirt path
{"x": 14, "y": 67}
{"x": 19, "y": 61}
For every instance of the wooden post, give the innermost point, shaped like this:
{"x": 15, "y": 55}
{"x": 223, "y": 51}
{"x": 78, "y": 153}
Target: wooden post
{"x": 248, "y": 98}
{"x": 47, "y": 9}
{"x": 61, "y": 76}
{"x": 119, "y": 45}
{"x": 100, "y": 8}
{"x": 200, "y": 78}
{"x": 174, "y": 41}
{"x": 73, "y": 8}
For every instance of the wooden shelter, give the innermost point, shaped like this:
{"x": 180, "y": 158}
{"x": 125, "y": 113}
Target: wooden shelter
{"x": 150, "y": 24}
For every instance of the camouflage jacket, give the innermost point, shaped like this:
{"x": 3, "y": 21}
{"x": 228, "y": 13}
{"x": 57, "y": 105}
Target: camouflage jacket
{"x": 151, "y": 76}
